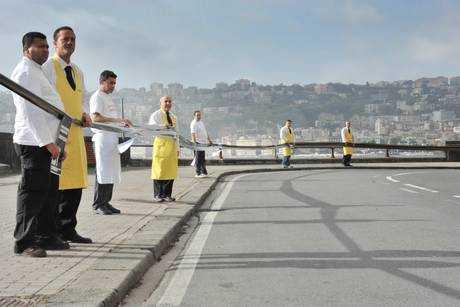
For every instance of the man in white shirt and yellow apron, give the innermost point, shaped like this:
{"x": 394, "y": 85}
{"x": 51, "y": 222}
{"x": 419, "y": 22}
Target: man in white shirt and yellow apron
{"x": 35, "y": 132}
{"x": 68, "y": 81}
{"x": 347, "y": 138}
{"x": 165, "y": 153}
{"x": 108, "y": 165}
{"x": 287, "y": 137}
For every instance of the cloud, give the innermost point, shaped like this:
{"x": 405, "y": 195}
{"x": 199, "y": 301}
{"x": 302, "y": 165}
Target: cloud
{"x": 361, "y": 13}
{"x": 348, "y": 12}
{"x": 205, "y": 41}
{"x": 430, "y": 49}
{"x": 436, "y": 39}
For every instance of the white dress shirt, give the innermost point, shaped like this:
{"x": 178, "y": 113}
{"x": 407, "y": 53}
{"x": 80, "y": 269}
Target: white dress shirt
{"x": 198, "y": 127}
{"x": 32, "y": 125}
{"x": 48, "y": 68}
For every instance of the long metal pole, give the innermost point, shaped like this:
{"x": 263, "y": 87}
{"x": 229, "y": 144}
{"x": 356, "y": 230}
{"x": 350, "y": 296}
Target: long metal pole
{"x": 122, "y": 115}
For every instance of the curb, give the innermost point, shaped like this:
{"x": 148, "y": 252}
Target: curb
{"x": 5, "y": 169}
{"x": 154, "y": 252}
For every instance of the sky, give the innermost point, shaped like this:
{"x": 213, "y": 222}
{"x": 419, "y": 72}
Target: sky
{"x": 202, "y": 42}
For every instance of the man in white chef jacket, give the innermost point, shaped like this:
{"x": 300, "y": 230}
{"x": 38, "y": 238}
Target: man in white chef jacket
{"x": 108, "y": 165}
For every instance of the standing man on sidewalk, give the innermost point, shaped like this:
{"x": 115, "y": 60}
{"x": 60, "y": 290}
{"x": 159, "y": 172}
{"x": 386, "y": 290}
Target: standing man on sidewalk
{"x": 347, "y": 138}
{"x": 200, "y": 135}
{"x": 68, "y": 81}
{"x": 165, "y": 153}
{"x": 287, "y": 137}
{"x": 35, "y": 132}
{"x": 108, "y": 165}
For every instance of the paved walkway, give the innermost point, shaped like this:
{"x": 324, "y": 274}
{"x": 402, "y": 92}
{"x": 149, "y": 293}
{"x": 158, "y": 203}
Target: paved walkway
{"x": 125, "y": 245}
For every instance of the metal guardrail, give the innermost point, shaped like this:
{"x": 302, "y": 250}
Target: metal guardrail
{"x": 333, "y": 145}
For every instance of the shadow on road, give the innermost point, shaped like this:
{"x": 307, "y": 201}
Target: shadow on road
{"x": 332, "y": 260}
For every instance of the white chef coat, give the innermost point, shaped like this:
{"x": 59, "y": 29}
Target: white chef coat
{"x": 284, "y": 131}
{"x": 108, "y": 165}
{"x": 32, "y": 125}
{"x": 198, "y": 127}
{"x": 342, "y": 134}
{"x": 156, "y": 119}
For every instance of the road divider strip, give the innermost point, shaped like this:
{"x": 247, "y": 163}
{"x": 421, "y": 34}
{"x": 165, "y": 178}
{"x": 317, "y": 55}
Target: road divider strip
{"x": 392, "y": 179}
{"x": 420, "y": 188}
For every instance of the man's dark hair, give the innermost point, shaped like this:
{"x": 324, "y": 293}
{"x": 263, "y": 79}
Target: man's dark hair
{"x": 196, "y": 111}
{"x": 107, "y": 74}
{"x": 56, "y": 32}
{"x": 28, "y": 39}
{"x": 288, "y": 121}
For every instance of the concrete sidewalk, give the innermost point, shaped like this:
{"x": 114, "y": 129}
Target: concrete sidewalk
{"x": 125, "y": 245}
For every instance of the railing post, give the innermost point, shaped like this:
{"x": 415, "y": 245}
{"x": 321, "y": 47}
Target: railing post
{"x": 332, "y": 153}
{"x": 387, "y": 154}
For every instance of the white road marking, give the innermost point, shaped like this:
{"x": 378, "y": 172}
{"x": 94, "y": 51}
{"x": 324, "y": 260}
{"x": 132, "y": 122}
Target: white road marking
{"x": 180, "y": 281}
{"x": 407, "y": 190}
{"x": 392, "y": 179}
{"x": 420, "y": 188}
{"x": 400, "y": 174}
{"x": 457, "y": 196}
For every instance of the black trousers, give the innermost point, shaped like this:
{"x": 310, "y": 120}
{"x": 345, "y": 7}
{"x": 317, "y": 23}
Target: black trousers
{"x": 68, "y": 202}
{"x": 162, "y": 188}
{"x": 200, "y": 162}
{"x": 102, "y": 194}
{"x": 36, "y": 197}
{"x": 346, "y": 160}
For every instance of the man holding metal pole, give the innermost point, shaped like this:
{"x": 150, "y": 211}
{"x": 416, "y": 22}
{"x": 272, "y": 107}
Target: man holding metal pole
{"x": 347, "y": 138}
{"x": 35, "y": 132}
{"x": 165, "y": 153}
{"x": 287, "y": 138}
{"x": 199, "y": 135}
{"x": 108, "y": 165}
{"x": 69, "y": 83}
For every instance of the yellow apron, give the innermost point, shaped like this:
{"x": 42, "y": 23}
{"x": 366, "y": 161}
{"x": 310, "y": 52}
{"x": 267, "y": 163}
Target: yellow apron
{"x": 348, "y": 139}
{"x": 164, "y": 156}
{"x": 74, "y": 173}
{"x": 289, "y": 138}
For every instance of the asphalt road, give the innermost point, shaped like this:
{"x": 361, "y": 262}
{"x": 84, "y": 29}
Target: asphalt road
{"x": 323, "y": 238}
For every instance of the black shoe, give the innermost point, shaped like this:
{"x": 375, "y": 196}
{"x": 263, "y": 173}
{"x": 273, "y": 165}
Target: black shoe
{"x": 113, "y": 209}
{"x": 158, "y": 199}
{"x": 104, "y": 210}
{"x": 34, "y": 252}
{"x": 54, "y": 243}
{"x": 76, "y": 238}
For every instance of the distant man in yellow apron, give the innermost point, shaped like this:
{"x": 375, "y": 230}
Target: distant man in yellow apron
{"x": 68, "y": 81}
{"x": 165, "y": 153}
{"x": 347, "y": 137}
{"x": 287, "y": 137}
